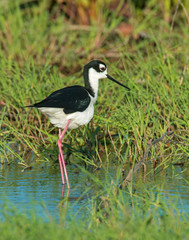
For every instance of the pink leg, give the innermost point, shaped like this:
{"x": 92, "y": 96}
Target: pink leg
{"x": 61, "y": 157}
{"x": 60, "y": 162}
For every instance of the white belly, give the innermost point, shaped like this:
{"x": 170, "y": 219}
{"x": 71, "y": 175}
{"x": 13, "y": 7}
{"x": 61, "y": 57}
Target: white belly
{"x": 59, "y": 119}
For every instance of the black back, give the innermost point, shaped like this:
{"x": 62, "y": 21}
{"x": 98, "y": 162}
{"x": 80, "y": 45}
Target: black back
{"x": 71, "y": 99}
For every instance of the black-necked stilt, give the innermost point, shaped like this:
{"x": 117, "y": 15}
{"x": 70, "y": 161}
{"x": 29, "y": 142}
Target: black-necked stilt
{"x": 70, "y": 107}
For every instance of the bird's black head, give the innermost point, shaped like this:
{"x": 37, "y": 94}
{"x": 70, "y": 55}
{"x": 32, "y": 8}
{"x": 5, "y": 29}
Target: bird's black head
{"x": 92, "y": 72}
{"x": 97, "y": 65}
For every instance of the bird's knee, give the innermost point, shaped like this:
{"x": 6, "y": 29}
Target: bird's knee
{"x": 59, "y": 143}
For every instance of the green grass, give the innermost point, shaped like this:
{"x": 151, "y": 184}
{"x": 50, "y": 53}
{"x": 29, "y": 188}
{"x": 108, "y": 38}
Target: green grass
{"x": 155, "y": 69}
{"x": 42, "y": 51}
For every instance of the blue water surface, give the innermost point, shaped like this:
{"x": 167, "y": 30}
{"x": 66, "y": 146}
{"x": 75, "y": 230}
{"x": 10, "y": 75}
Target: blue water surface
{"x": 39, "y": 190}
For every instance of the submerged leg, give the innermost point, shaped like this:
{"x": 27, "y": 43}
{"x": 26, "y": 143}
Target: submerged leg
{"x": 61, "y": 156}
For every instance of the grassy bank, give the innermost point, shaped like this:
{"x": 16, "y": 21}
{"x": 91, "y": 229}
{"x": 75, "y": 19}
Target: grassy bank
{"x": 42, "y": 52}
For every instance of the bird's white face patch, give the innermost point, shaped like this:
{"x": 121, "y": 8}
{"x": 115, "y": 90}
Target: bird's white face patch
{"x": 95, "y": 76}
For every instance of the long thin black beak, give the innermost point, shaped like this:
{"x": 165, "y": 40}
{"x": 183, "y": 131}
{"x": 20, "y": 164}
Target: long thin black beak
{"x": 111, "y": 78}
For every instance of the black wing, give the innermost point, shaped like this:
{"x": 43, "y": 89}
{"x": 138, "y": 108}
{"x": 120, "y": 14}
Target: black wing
{"x": 71, "y": 99}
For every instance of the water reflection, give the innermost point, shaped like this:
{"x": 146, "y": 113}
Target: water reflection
{"x": 40, "y": 190}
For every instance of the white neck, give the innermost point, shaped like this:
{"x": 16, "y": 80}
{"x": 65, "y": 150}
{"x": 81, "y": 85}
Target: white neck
{"x": 93, "y": 80}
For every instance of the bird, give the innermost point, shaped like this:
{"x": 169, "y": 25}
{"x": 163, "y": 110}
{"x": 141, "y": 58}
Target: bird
{"x": 73, "y": 106}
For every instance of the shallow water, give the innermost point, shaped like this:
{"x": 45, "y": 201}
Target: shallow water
{"x": 39, "y": 190}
